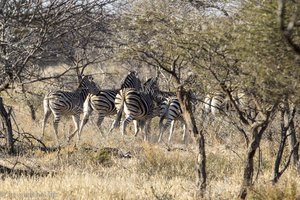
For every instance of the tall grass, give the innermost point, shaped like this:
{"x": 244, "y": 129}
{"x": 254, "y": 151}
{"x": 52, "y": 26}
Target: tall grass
{"x": 154, "y": 171}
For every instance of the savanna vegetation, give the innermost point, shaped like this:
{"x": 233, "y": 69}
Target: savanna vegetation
{"x": 196, "y": 48}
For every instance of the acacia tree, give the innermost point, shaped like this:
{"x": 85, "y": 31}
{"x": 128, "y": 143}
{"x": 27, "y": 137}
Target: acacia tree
{"x": 36, "y": 34}
{"x": 242, "y": 52}
{"x": 150, "y": 33}
{"x": 215, "y": 55}
{"x": 288, "y": 20}
{"x": 248, "y": 52}
{"x": 274, "y": 62}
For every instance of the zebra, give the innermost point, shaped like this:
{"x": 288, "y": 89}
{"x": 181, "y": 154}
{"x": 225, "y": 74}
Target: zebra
{"x": 104, "y": 102}
{"x": 216, "y": 104}
{"x": 67, "y": 103}
{"x": 137, "y": 105}
{"x": 220, "y": 103}
{"x": 171, "y": 111}
{"x": 246, "y": 105}
{"x": 131, "y": 81}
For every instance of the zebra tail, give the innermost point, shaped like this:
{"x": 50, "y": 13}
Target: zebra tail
{"x": 120, "y": 111}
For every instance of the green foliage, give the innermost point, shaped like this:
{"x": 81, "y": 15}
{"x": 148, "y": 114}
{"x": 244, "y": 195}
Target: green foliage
{"x": 267, "y": 61}
{"x": 246, "y": 50}
{"x": 154, "y": 33}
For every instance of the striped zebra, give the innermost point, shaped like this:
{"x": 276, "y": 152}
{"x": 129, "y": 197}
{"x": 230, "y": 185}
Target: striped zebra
{"x": 220, "y": 103}
{"x": 170, "y": 110}
{"x": 104, "y": 102}
{"x": 246, "y": 105}
{"x": 137, "y": 105}
{"x": 216, "y": 104}
{"x": 64, "y": 103}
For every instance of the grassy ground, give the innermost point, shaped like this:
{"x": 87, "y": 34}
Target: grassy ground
{"x": 153, "y": 171}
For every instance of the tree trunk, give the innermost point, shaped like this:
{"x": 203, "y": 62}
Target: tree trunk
{"x": 201, "y": 165}
{"x": 249, "y": 162}
{"x": 185, "y": 103}
{"x": 283, "y": 134}
{"x": 292, "y": 144}
{"x": 5, "y": 117}
{"x": 293, "y": 141}
{"x": 186, "y": 107}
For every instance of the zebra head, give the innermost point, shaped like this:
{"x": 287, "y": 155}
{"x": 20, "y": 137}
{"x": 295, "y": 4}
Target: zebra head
{"x": 131, "y": 81}
{"x": 151, "y": 87}
{"x": 87, "y": 83}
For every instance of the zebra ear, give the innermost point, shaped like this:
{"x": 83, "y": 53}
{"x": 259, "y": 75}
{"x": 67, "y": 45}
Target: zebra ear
{"x": 90, "y": 77}
{"x": 156, "y": 80}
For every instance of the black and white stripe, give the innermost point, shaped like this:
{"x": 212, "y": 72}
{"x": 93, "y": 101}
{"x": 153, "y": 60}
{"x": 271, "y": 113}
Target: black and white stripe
{"x": 220, "y": 104}
{"x": 104, "y": 102}
{"x": 216, "y": 103}
{"x": 170, "y": 111}
{"x": 64, "y": 103}
{"x": 131, "y": 81}
{"x": 137, "y": 105}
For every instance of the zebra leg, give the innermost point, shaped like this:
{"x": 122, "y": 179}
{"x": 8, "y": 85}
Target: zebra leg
{"x": 164, "y": 128}
{"x": 46, "y": 116}
{"x": 112, "y": 126}
{"x": 85, "y": 119}
{"x": 143, "y": 128}
{"x": 136, "y": 127}
{"x": 55, "y": 126}
{"x": 146, "y": 131}
{"x": 161, "y": 129}
{"x": 184, "y": 132}
{"x": 171, "y": 130}
{"x": 125, "y": 122}
{"x": 99, "y": 122}
{"x": 76, "y": 119}
{"x": 148, "y": 125}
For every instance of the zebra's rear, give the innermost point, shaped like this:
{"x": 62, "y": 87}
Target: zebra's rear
{"x": 171, "y": 111}
{"x": 137, "y": 105}
{"x": 104, "y": 102}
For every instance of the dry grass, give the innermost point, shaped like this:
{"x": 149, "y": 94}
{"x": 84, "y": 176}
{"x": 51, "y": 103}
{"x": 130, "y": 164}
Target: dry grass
{"x": 154, "y": 171}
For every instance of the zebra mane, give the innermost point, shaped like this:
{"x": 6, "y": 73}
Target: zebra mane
{"x": 87, "y": 83}
{"x": 131, "y": 81}
{"x": 151, "y": 83}
{"x": 84, "y": 80}
{"x": 150, "y": 87}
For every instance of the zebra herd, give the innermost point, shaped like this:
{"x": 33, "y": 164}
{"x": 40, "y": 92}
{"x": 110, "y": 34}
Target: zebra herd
{"x": 139, "y": 102}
